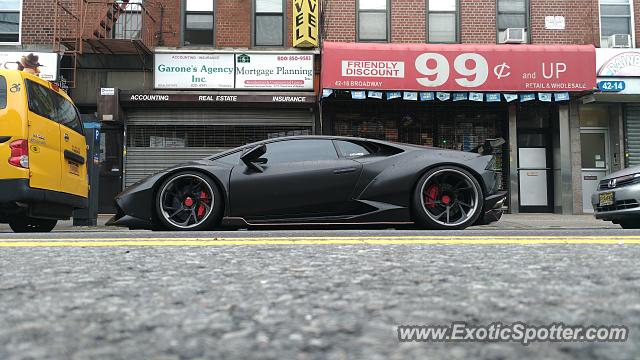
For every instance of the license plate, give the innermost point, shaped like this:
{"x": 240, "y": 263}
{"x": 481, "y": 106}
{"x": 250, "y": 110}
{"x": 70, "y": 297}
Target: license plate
{"x": 607, "y": 199}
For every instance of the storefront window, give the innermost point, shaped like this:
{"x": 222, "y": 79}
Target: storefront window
{"x": 615, "y": 19}
{"x": 198, "y": 22}
{"x": 443, "y": 21}
{"x": 461, "y": 128}
{"x": 373, "y": 20}
{"x": 594, "y": 115}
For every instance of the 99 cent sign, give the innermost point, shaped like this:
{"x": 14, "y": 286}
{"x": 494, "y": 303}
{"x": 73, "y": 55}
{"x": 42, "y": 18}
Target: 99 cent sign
{"x": 458, "y": 67}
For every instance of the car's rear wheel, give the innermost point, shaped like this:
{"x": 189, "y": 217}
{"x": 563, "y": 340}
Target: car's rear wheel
{"x": 32, "y": 225}
{"x": 189, "y": 201}
{"x": 630, "y": 224}
{"x": 447, "y": 198}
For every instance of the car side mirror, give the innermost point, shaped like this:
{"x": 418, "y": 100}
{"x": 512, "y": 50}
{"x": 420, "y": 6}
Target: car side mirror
{"x": 252, "y": 159}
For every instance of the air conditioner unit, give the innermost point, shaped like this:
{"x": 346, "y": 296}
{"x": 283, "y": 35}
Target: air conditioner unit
{"x": 514, "y": 36}
{"x": 620, "y": 41}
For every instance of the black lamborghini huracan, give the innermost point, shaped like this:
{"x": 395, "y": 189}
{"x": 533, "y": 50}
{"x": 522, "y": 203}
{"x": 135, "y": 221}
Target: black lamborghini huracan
{"x": 317, "y": 180}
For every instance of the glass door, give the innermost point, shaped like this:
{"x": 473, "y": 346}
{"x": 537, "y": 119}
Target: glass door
{"x": 595, "y": 162}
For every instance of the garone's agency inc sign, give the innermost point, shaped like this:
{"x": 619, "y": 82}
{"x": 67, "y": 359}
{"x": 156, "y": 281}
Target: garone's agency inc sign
{"x": 290, "y": 71}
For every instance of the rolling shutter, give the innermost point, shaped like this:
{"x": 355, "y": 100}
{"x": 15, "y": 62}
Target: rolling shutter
{"x": 632, "y": 133}
{"x": 160, "y": 138}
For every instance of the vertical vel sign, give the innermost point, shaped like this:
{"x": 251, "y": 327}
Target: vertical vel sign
{"x": 305, "y": 23}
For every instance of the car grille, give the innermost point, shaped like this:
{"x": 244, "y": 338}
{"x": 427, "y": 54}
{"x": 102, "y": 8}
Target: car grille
{"x": 619, "y": 205}
{"x": 620, "y": 182}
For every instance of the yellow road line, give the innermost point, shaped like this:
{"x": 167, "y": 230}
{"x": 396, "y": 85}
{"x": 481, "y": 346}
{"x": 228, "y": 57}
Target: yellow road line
{"x": 426, "y": 240}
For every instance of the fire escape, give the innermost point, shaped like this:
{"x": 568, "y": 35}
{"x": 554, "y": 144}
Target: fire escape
{"x": 125, "y": 27}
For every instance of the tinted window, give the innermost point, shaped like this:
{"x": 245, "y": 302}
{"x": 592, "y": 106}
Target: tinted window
{"x": 300, "y": 150}
{"x": 3, "y": 93}
{"x": 350, "y": 149}
{"x": 40, "y": 100}
{"x": 67, "y": 114}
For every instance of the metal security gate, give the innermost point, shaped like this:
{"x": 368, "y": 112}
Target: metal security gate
{"x": 159, "y": 138}
{"x": 632, "y": 133}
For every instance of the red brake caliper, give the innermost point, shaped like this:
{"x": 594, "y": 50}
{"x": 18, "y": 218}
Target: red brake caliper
{"x": 431, "y": 196}
{"x": 201, "y": 209}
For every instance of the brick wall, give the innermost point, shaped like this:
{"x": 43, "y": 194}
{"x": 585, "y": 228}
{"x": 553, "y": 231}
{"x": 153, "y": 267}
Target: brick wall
{"x": 233, "y": 23}
{"x": 581, "y": 21}
{"x": 477, "y": 21}
{"x": 339, "y": 20}
{"x": 37, "y": 22}
{"x": 408, "y": 21}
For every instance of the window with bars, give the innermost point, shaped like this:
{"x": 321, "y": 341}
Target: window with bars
{"x": 198, "y": 22}
{"x": 615, "y": 19}
{"x": 512, "y": 14}
{"x": 268, "y": 23}
{"x": 129, "y": 23}
{"x": 373, "y": 20}
{"x": 10, "y": 18}
{"x": 443, "y": 21}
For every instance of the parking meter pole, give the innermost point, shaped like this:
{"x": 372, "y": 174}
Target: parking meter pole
{"x": 89, "y": 216}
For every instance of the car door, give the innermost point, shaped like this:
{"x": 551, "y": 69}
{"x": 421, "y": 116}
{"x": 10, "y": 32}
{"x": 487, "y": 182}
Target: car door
{"x": 44, "y": 138}
{"x": 73, "y": 148}
{"x": 299, "y": 178}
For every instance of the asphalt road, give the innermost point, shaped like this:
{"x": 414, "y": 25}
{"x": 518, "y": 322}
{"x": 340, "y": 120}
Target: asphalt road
{"x": 317, "y": 294}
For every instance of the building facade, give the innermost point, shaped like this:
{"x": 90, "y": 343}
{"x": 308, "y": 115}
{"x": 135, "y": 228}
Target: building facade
{"x": 155, "y": 78}
{"x": 452, "y": 89}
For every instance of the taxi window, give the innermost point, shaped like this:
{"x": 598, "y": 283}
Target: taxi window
{"x": 40, "y": 100}
{"x": 67, "y": 114}
{"x": 3, "y": 92}
{"x": 45, "y": 102}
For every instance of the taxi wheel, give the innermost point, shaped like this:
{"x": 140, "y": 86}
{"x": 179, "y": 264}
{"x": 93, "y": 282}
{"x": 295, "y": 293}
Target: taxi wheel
{"x": 31, "y": 225}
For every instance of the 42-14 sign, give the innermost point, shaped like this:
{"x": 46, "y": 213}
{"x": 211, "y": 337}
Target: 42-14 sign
{"x": 611, "y": 86}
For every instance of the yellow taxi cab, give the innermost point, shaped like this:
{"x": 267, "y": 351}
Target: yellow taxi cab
{"x": 43, "y": 171}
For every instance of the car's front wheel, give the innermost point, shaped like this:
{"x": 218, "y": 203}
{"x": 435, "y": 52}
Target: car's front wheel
{"x": 32, "y": 225}
{"x": 630, "y": 224}
{"x": 189, "y": 201}
{"x": 447, "y": 198}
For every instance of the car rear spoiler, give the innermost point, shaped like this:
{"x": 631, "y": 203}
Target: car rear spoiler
{"x": 488, "y": 146}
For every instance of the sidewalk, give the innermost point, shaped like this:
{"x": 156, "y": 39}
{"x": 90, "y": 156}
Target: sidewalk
{"x": 550, "y": 221}
{"x": 508, "y": 222}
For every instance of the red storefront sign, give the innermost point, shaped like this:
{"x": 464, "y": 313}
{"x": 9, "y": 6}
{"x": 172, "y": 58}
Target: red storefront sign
{"x": 453, "y": 67}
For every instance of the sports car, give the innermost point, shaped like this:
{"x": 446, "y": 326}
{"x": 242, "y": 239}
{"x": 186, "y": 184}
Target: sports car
{"x": 323, "y": 180}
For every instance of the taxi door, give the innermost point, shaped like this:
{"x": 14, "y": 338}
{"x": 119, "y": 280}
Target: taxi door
{"x": 44, "y": 138}
{"x": 73, "y": 149}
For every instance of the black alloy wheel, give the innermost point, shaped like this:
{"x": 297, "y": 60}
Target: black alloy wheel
{"x": 447, "y": 198}
{"x": 189, "y": 201}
